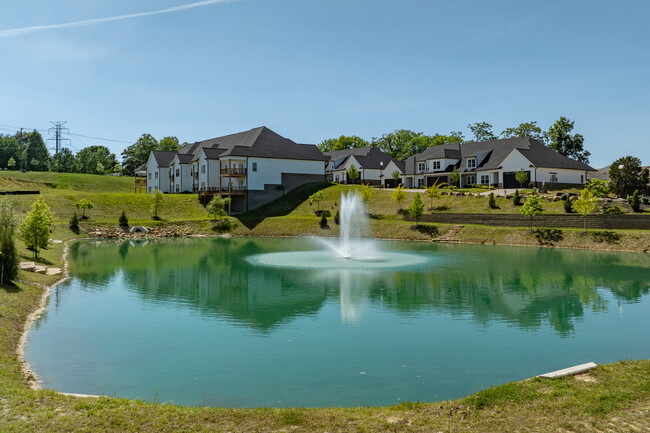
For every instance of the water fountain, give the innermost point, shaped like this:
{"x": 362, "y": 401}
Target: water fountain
{"x": 353, "y": 249}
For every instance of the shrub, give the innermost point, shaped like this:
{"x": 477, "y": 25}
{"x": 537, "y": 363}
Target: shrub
{"x": 123, "y": 220}
{"x": 492, "y": 202}
{"x": 74, "y": 222}
{"x": 635, "y": 201}
{"x": 336, "y": 217}
{"x": 612, "y": 210}
{"x": 323, "y": 220}
{"x": 9, "y": 260}
{"x": 568, "y": 207}
{"x": 516, "y": 199}
{"x": 416, "y": 209}
{"x": 645, "y": 199}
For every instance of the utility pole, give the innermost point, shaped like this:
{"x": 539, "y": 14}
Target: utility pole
{"x": 22, "y": 153}
{"x": 58, "y": 129}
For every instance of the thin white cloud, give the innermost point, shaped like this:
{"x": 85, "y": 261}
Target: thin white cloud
{"x": 25, "y": 30}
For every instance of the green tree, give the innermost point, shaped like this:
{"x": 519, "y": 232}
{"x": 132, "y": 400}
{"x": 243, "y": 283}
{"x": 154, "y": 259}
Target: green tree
{"x": 353, "y": 173}
{"x": 532, "y": 207}
{"x": 403, "y": 143}
{"x": 65, "y": 162}
{"x": 416, "y": 208}
{"x": 395, "y": 175}
{"x": 529, "y": 129}
{"x": 626, "y": 175}
{"x": 482, "y": 131}
{"x": 11, "y": 163}
{"x": 83, "y": 205}
{"x": 597, "y": 187}
{"x": 343, "y": 142}
{"x": 123, "y": 220}
{"x": 516, "y": 199}
{"x": 365, "y": 191}
{"x": 36, "y": 156}
{"x": 561, "y": 140}
{"x": 217, "y": 207}
{"x": 96, "y": 160}
{"x": 585, "y": 205}
{"x": 9, "y": 261}
{"x": 316, "y": 198}
{"x": 167, "y": 143}
{"x": 156, "y": 202}
{"x": 399, "y": 195}
{"x": 522, "y": 177}
{"x": 635, "y": 201}
{"x": 138, "y": 153}
{"x": 9, "y": 151}
{"x": 492, "y": 201}
{"x": 35, "y": 228}
{"x": 433, "y": 192}
{"x": 454, "y": 176}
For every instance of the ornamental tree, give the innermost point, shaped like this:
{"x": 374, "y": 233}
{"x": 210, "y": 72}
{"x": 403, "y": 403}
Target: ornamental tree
{"x": 399, "y": 195}
{"x": 366, "y": 193}
{"x": 83, "y": 205}
{"x": 353, "y": 173}
{"x": 416, "y": 208}
{"x": 585, "y": 205}
{"x": 521, "y": 176}
{"x": 156, "y": 201}
{"x": 316, "y": 198}
{"x": 35, "y": 228}
{"x": 531, "y": 208}
{"x": 217, "y": 207}
{"x": 433, "y": 192}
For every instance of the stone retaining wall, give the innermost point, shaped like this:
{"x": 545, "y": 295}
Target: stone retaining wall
{"x": 638, "y": 222}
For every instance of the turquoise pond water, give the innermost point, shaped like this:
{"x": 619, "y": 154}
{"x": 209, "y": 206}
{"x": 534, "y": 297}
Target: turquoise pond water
{"x": 256, "y": 322}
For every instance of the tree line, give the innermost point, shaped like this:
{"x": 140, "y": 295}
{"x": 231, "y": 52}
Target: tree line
{"x": 403, "y": 143}
{"x": 27, "y": 151}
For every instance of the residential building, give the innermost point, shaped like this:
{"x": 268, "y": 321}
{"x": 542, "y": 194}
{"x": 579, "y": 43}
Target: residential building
{"x": 251, "y": 167}
{"x": 371, "y": 163}
{"x": 495, "y": 163}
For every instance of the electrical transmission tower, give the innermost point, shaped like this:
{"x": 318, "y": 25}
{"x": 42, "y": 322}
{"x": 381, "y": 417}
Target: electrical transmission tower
{"x": 57, "y": 130}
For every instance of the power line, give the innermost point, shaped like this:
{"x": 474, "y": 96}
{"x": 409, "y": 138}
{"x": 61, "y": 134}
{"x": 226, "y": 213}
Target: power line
{"x": 105, "y": 139}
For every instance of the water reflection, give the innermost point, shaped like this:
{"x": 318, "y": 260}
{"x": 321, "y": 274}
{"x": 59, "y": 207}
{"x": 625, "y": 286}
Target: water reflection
{"x": 526, "y": 287}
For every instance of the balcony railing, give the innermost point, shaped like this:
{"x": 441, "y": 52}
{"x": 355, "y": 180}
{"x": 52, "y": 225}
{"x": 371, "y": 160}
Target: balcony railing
{"x": 223, "y": 189}
{"x": 233, "y": 171}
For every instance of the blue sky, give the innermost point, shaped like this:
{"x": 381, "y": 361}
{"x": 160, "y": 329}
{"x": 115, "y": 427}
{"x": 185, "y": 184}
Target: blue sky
{"x": 314, "y": 69}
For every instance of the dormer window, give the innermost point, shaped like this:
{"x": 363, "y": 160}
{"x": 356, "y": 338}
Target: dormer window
{"x": 471, "y": 163}
{"x": 422, "y": 166}
{"x": 436, "y": 165}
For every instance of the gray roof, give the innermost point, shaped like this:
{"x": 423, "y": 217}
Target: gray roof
{"x": 257, "y": 142}
{"x": 368, "y": 157}
{"x": 185, "y": 158}
{"x": 163, "y": 157}
{"x": 496, "y": 151}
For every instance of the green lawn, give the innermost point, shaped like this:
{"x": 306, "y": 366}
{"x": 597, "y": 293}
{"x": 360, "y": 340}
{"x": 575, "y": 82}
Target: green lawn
{"x": 611, "y": 398}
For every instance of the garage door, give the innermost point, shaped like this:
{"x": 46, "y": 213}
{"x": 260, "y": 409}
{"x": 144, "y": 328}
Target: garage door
{"x": 509, "y": 180}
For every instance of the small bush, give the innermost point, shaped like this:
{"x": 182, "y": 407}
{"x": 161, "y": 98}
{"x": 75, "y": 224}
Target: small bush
{"x": 336, "y": 217}
{"x": 635, "y": 201}
{"x": 323, "y": 220}
{"x": 492, "y": 202}
{"x": 516, "y": 199}
{"x": 568, "y": 206}
{"x": 74, "y": 222}
{"x": 123, "y": 220}
{"x": 612, "y": 210}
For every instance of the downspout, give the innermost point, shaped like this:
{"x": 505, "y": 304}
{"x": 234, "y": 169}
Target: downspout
{"x": 247, "y": 174}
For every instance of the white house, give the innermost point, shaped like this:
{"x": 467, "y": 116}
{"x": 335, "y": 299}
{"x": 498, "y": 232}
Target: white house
{"x": 495, "y": 163}
{"x": 370, "y": 162}
{"x": 251, "y": 167}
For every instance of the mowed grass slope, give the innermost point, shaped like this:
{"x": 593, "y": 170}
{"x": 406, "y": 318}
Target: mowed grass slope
{"x": 612, "y": 398}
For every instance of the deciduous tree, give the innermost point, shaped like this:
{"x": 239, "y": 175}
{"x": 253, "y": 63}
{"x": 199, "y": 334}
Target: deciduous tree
{"x": 585, "y": 205}
{"x": 9, "y": 261}
{"x": 433, "y": 192}
{"x": 399, "y": 195}
{"x": 353, "y": 173}
{"x": 597, "y": 187}
{"x": 35, "y": 228}
{"x": 365, "y": 192}
{"x": 454, "y": 176}
{"x": 343, "y": 142}
{"x": 83, "y": 205}
{"x": 96, "y": 160}
{"x": 156, "y": 202}
{"x": 561, "y": 140}
{"x": 136, "y": 154}
{"x": 482, "y": 131}
{"x": 528, "y": 129}
{"x": 217, "y": 207}
{"x": 626, "y": 175}
{"x": 416, "y": 208}
{"x": 521, "y": 176}
{"x": 316, "y": 197}
{"x": 532, "y": 207}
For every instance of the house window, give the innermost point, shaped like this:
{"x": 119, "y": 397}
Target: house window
{"x": 470, "y": 180}
{"x": 203, "y": 169}
{"x": 178, "y": 172}
{"x": 471, "y": 163}
{"x": 485, "y": 179}
{"x": 149, "y": 190}
{"x": 254, "y": 166}
{"x": 178, "y": 187}
{"x": 582, "y": 178}
{"x": 420, "y": 182}
{"x": 156, "y": 175}
{"x": 436, "y": 165}
{"x": 422, "y": 166}
{"x": 149, "y": 176}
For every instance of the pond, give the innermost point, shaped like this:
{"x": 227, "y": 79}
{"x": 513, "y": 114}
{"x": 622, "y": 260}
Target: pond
{"x": 211, "y": 321}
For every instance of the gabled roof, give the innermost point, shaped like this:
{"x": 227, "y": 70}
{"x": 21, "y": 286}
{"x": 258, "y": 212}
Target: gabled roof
{"x": 497, "y": 151}
{"x": 163, "y": 157}
{"x": 368, "y": 157}
{"x": 184, "y": 158}
{"x": 257, "y": 142}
